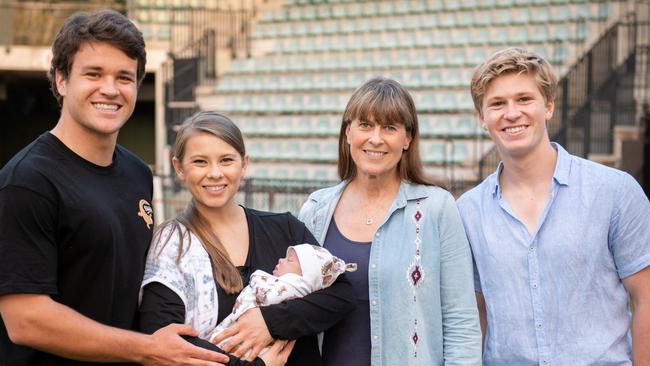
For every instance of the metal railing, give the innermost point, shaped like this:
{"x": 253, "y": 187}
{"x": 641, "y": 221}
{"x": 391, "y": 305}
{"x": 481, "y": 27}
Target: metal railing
{"x": 231, "y": 26}
{"x": 277, "y": 195}
{"x": 197, "y": 37}
{"x": 606, "y": 87}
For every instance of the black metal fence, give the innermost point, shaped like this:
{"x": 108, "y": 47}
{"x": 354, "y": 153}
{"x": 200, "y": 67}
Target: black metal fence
{"x": 197, "y": 36}
{"x": 277, "y": 195}
{"x": 231, "y": 27}
{"x": 605, "y": 88}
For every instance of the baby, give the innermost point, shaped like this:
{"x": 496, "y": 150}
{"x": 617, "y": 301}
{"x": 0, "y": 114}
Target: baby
{"x": 305, "y": 269}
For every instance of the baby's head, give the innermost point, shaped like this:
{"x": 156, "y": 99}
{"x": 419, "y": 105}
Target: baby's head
{"x": 288, "y": 264}
{"x": 313, "y": 263}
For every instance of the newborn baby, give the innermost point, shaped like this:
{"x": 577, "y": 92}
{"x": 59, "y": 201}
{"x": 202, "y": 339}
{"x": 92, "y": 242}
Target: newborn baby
{"x": 305, "y": 269}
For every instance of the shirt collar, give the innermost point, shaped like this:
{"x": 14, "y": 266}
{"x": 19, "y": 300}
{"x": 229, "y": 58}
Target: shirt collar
{"x": 560, "y": 174}
{"x": 562, "y": 166}
{"x": 407, "y": 191}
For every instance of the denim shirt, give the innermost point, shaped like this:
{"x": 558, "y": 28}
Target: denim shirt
{"x": 556, "y": 297}
{"x": 422, "y": 307}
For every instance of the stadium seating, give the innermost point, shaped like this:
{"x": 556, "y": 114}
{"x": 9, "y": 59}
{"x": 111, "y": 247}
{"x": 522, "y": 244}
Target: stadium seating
{"x": 310, "y": 55}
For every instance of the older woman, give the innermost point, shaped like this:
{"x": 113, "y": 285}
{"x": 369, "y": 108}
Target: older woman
{"x": 414, "y": 283}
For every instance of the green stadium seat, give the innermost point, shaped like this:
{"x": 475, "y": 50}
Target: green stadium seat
{"x": 560, "y": 14}
{"x": 164, "y": 33}
{"x": 466, "y": 126}
{"x": 518, "y": 35}
{"x": 540, "y": 14}
{"x": 300, "y": 173}
{"x": 309, "y": 13}
{"x": 143, "y": 16}
{"x": 539, "y": 33}
{"x": 321, "y": 174}
{"x": 465, "y": 18}
{"x": 323, "y": 125}
{"x": 280, "y": 173}
{"x": 387, "y": 8}
{"x": 331, "y": 151}
{"x": 146, "y": 31}
{"x": 254, "y": 149}
{"x": 290, "y": 150}
{"x": 435, "y": 153}
{"x": 311, "y": 150}
{"x": 460, "y": 152}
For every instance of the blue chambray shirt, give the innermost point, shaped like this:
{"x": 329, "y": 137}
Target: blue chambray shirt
{"x": 556, "y": 297}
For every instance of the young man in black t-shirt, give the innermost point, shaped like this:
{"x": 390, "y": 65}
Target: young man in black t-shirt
{"x": 76, "y": 218}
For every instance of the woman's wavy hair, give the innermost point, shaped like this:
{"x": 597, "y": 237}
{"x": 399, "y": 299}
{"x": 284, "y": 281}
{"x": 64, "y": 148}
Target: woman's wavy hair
{"x": 224, "y": 271}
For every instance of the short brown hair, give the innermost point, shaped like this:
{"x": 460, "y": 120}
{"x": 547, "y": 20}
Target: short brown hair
{"x": 517, "y": 60}
{"x": 386, "y": 102}
{"x": 107, "y": 26}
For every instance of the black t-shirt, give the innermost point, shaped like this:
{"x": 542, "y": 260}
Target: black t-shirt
{"x": 76, "y": 231}
{"x": 269, "y": 236}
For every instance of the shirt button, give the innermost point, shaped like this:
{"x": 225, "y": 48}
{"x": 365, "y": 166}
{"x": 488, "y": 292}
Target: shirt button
{"x": 534, "y": 285}
{"x": 539, "y": 325}
{"x": 531, "y": 248}
{"x": 545, "y": 362}
{"x": 373, "y": 266}
{"x": 375, "y": 337}
{"x": 377, "y": 235}
{"x": 374, "y": 302}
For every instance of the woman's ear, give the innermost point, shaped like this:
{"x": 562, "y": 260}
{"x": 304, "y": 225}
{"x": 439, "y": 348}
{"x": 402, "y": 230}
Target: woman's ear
{"x": 347, "y": 133}
{"x": 178, "y": 168}
{"x": 407, "y": 142}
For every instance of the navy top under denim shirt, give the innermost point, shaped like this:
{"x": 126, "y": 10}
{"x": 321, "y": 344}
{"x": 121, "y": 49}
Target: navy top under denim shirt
{"x": 348, "y": 342}
{"x": 556, "y": 297}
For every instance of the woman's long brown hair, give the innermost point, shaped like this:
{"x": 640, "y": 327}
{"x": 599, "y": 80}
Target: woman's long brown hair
{"x": 224, "y": 271}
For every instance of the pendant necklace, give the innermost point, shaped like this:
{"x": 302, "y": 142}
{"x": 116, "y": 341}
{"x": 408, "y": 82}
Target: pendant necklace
{"x": 368, "y": 220}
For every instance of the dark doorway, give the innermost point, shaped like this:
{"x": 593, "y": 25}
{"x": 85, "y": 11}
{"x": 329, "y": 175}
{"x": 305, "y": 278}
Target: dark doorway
{"x": 28, "y": 109}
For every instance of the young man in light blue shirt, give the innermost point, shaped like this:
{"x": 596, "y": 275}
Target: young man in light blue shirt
{"x": 559, "y": 242}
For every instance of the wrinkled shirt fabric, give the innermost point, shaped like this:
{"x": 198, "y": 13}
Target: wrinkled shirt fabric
{"x": 556, "y": 296}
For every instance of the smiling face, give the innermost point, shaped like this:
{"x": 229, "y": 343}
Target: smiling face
{"x": 289, "y": 264}
{"x": 100, "y": 91}
{"x": 376, "y": 148}
{"x": 212, "y": 170}
{"x": 514, "y": 112}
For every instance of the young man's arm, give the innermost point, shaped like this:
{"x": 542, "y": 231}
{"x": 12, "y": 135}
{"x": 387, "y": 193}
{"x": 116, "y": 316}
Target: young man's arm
{"x": 638, "y": 285}
{"x": 37, "y": 321}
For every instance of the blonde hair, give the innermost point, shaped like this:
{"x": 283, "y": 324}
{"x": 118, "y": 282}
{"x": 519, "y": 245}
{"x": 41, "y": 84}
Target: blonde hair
{"x": 513, "y": 60}
{"x": 224, "y": 271}
{"x": 386, "y": 102}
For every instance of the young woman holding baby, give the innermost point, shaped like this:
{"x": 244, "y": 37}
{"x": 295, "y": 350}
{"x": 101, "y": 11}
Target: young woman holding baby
{"x": 200, "y": 261}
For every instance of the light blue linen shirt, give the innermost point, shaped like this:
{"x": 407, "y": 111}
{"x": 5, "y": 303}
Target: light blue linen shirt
{"x": 442, "y": 301}
{"x": 556, "y": 297}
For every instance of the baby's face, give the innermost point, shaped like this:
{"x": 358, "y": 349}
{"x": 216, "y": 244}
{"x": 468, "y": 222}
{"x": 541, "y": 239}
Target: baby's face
{"x": 290, "y": 264}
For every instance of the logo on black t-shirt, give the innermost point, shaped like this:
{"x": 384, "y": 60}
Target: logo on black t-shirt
{"x": 146, "y": 212}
